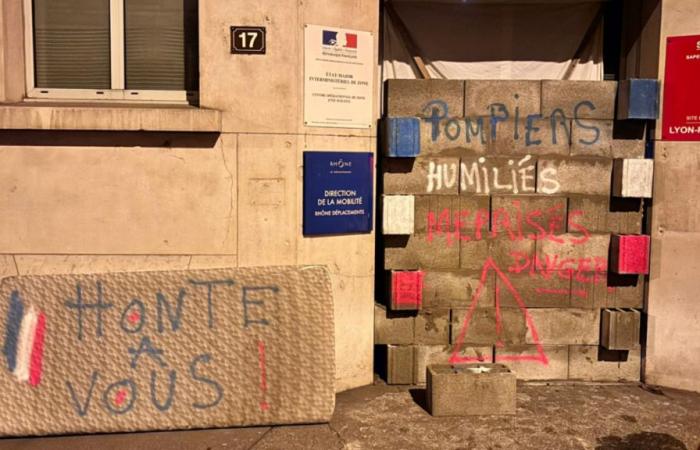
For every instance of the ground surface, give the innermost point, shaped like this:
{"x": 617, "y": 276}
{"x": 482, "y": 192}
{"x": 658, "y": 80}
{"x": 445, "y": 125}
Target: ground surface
{"x": 556, "y": 416}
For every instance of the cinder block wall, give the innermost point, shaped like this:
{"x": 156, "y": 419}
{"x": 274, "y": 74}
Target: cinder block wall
{"x": 512, "y": 222}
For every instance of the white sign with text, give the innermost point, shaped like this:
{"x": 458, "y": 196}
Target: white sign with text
{"x": 338, "y": 77}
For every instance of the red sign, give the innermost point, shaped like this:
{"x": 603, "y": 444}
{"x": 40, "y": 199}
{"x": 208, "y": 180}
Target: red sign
{"x": 681, "y": 118}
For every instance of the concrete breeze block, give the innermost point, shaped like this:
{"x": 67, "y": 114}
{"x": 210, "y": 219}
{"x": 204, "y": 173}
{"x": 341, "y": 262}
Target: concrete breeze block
{"x": 620, "y": 328}
{"x": 503, "y": 252}
{"x": 470, "y": 389}
{"x": 574, "y": 176}
{"x": 432, "y": 327}
{"x": 633, "y": 178}
{"x": 536, "y": 291}
{"x": 413, "y": 97}
{"x": 594, "y": 99}
{"x": 638, "y": 98}
{"x": 592, "y": 363}
{"x": 417, "y": 252}
{"x": 624, "y": 291}
{"x": 629, "y": 294}
{"x": 498, "y": 175}
{"x": 529, "y": 215}
{"x": 482, "y": 328}
{"x": 593, "y": 214}
{"x": 402, "y": 137}
{"x": 451, "y": 218}
{"x": 559, "y": 326}
{"x": 422, "y": 176}
{"x": 515, "y": 357}
{"x": 398, "y": 214}
{"x": 523, "y": 95}
{"x": 453, "y": 137}
{"x": 392, "y": 330}
{"x": 406, "y": 289}
{"x": 534, "y": 135}
{"x": 585, "y": 254}
{"x": 630, "y": 254}
{"x": 455, "y": 289}
{"x": 399, "y": 363}
{"x": 593, "y": 137}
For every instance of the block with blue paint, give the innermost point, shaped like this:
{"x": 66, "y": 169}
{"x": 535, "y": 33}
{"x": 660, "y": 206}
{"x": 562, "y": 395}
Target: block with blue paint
{"x": 638, "y": 98}
{"x": 402, "y": 137}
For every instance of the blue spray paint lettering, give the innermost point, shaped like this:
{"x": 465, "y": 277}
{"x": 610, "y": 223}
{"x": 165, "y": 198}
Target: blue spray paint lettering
{"x": 210, "y": 300}
{"x": 79, "y": 305}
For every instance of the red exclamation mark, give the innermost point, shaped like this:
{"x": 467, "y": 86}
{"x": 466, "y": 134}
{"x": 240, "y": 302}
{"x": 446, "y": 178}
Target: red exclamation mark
{"x": 263, "y": 376}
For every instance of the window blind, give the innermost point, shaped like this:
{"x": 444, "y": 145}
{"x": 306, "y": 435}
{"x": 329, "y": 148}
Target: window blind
{"x": 159, "y": 36}
{"x": 72, "y": 44}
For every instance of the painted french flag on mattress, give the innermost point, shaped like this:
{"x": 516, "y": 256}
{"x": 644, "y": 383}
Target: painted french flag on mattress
{"x": 24, "y": 341}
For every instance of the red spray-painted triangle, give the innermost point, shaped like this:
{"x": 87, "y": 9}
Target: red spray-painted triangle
{"x": 540, "y": 357}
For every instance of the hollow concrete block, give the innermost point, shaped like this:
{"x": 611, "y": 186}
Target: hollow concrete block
{"x": 398, "y": 214}
{"x": 629, "y": 254}
{"x": 399, "y": 364}
{"x": 402, "y": 137}
{"x": 619, "y": 328}
{"x": 638, "y": 98}
{"x": 633, "y": 178}
{"x": 406, "y": 289}
{"x": 470, "y": 389}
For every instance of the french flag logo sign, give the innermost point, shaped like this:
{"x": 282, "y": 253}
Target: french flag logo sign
{"x": 25, "y": 329}
{"x": 348, "y": 40}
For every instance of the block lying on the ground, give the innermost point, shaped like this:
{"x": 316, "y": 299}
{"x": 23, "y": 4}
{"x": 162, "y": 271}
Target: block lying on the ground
{"x": 470, "y": 389}
{"x": 619, "y": 328}
{"x": 166, "y": 350}
{"x": 632, "y": 178}
{"x": 398, "y": 214}
{"x": 629, "y": 254}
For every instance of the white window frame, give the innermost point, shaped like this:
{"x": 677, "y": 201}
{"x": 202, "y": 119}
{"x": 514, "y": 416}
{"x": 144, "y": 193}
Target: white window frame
{"x": 117, "y": 93}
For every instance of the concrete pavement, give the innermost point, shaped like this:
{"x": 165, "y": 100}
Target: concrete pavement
{"x": 549, "y": 416}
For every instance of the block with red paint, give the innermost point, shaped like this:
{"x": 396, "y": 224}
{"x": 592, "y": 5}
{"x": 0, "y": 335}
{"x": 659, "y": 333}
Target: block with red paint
{"x": 629, "y": 254}
{"x": 406, "y": 289}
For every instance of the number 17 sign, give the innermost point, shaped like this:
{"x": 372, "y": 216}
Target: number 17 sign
{"x": 248, "y": 40}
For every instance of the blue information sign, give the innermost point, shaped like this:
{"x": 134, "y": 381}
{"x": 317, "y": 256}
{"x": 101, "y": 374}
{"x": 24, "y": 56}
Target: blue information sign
{"x": 337, "y": 192}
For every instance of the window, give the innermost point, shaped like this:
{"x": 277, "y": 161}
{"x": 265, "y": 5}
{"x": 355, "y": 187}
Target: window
{"x": 112, "y": 49}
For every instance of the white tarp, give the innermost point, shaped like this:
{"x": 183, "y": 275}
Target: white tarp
{"x": 494, "y": 41}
